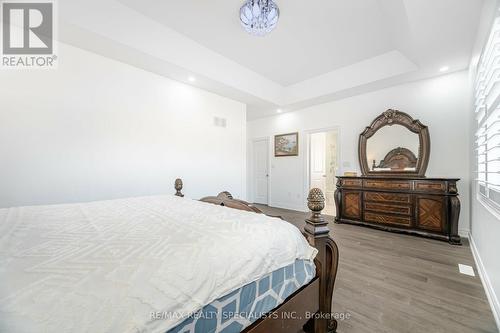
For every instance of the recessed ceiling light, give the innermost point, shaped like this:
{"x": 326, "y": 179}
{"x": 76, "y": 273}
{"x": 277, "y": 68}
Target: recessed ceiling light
{"x": 279, "y": 111}
{"x": 192, "y": 79}
{"x": 444, "y": 69}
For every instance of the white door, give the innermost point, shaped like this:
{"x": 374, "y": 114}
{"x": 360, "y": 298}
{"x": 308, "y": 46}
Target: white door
{"x": 260, "y": 171}
{"x": 318, "y": 161}
{"x": 323, "y": 162}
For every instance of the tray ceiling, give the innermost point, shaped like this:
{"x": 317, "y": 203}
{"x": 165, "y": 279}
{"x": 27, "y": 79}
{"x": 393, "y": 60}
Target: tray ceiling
{"x": 321, "y": 50}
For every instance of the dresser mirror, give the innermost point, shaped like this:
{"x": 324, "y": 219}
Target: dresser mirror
{"x": 394, "y": 145}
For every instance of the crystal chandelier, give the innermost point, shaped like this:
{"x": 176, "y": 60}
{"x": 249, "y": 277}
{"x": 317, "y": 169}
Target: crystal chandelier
{"x": 259, "y": 17}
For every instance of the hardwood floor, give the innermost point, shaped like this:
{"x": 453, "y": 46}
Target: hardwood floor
{"x": 397, "y": 283}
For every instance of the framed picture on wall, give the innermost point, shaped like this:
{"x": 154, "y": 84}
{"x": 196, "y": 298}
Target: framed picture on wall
{"x": 286, "y": 145}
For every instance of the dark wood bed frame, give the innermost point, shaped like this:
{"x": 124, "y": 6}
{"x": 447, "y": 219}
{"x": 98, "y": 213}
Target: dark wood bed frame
{"x": 398, "y": 159}
{"x": 310, "y": 307}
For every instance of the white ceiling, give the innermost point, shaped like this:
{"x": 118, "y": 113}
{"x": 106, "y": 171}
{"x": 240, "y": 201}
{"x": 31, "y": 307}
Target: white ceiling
{"x": 312, "y": 37}
{"x": 320, "y": 51}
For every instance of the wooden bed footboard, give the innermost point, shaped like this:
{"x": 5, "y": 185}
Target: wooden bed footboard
{"x": 310, "y": 307}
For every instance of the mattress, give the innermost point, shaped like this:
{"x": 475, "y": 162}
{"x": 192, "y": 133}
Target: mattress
{"x": 107, "y": 266}
{"x": 236, "y": 311}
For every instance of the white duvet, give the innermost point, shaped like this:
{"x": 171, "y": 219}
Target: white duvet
{"x": 107, "y": 266}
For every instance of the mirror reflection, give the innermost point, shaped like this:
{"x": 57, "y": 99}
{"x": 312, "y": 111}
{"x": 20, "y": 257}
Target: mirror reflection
{"x": 393, "y": 148}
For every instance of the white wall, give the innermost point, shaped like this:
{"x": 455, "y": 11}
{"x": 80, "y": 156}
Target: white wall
{"x": 440, "y": 103}
{"x": 96, "y": 129}
{"x": 485, "y": 225}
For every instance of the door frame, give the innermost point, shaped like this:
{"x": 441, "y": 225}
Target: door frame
{"x": 307, "y": 160}
{"x": 252, "y": 168}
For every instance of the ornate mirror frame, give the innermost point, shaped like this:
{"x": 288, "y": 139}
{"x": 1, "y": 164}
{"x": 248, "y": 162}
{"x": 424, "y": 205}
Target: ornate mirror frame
{"x": 389, "y": 118}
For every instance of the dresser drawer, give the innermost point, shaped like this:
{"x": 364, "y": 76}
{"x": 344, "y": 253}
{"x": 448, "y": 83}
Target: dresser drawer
{"x": 430, "y": 186}
{"x": 385, "y": 208}
{"x": 388, "y": 197}
{"x": 352, "y": 182}
{"x": 387, "y": 184}
{"x": 388, "y": 219}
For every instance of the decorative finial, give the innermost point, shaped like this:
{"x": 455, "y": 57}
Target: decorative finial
{"x": 226, "y": 194}
{"x": 316, "y": 225}
{"x": 316, "y": 201}
{"x": 178, "y": 187}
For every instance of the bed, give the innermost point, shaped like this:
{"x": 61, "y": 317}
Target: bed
{"x": 398, "y": 159}
{"x": 164, "y": 264}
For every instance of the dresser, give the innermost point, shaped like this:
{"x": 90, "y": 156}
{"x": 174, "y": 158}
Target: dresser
{"x": 427, "y": 207}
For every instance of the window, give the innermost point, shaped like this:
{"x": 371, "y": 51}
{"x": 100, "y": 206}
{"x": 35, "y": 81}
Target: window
{"x": 487, "y": 110}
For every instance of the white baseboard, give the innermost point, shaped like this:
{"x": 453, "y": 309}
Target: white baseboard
{"x": 464, "y": 233}
{"x": 286, "y": 206}
{"x": 488, "y": 288}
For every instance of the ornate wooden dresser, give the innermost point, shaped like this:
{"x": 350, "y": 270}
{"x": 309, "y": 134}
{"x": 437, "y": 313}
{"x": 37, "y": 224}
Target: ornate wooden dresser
{"x": 425, "y": 206}
{"x": 394, "y": 194}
